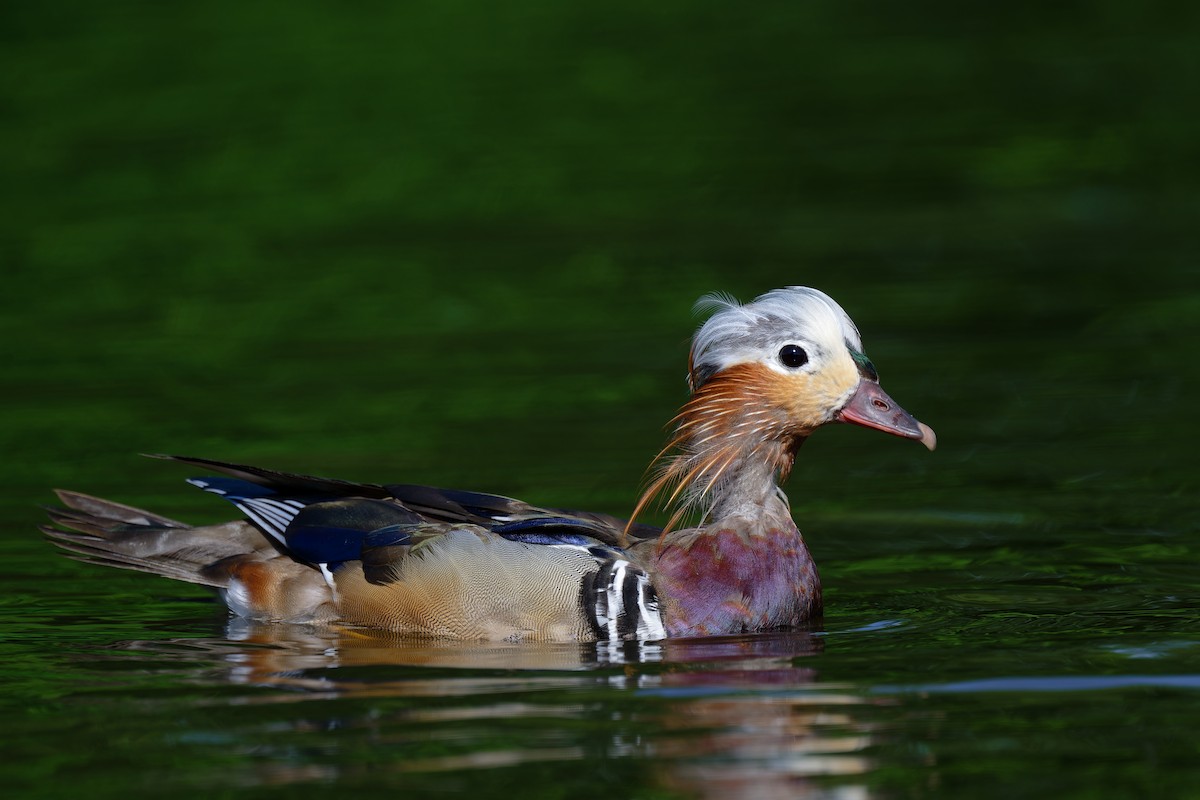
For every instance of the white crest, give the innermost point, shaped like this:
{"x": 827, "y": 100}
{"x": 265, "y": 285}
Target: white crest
{"x": 754, "y": 332}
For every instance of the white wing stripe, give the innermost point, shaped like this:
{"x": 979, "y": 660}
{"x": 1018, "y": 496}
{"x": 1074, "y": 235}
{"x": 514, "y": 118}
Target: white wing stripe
{"x": 280, "y": 513}
{"x": 274, "y": 520}
{"x": 267, "y": 525}
{"x": 270, "y": 525}
{"x": 271, "y": 514}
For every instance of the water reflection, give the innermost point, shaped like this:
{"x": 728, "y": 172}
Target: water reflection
{"x": 718, "y": 717}
{"x": 262, "y": 654}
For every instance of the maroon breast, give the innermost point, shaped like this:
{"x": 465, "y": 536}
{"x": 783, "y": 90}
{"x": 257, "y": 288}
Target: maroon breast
{"x": 736, "y": 577}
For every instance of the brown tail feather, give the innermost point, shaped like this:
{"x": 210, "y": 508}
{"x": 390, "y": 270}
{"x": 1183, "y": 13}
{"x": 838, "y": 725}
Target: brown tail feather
{"x": 115, "y": 512}
{"x": 100, "y": 531}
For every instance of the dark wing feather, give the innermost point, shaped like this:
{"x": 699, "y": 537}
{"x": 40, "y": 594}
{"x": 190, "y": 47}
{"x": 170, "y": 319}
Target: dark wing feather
{"x": 458, "y": 505}
{"x": 285, "y": 482}
{"x": 611, "y": 523}
{"x": 432, "y": 504}
{"x": 497, "y": 513}
{"x": 338, "y": 530}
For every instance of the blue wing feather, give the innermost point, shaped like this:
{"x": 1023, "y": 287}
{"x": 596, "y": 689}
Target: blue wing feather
{"x": 546, "y": 530}
{"x": 324, "y": 544}
{"x": 271, "y": 512}
{"x": 318, "y": 523}
{"x": 391, "y": 536}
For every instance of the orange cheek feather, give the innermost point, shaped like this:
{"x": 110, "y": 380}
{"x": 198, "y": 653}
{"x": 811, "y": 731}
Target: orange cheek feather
{"x": 809, "y": 399}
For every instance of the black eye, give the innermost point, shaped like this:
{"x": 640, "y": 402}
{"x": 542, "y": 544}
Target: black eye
{"x": 793, "y": 356}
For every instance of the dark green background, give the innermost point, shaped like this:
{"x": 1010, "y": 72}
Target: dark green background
{"x": 458, "y": 243}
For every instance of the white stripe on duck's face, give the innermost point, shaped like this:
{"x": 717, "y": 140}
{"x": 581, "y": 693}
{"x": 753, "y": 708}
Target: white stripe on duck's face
{"x": 802, "y": 343}
{"x": 764, "y": 376}
{"x": 787, "y": 330}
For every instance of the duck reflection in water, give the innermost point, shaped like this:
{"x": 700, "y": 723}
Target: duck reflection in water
{"x": 733, "y": 716}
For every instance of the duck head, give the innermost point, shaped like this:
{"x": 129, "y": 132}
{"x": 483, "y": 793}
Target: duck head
{"x": 764, "y": 375}
{"x": 796, "y": 351}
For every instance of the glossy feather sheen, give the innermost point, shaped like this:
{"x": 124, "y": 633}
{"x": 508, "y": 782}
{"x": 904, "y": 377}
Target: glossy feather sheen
{"x": 736, "y": 576}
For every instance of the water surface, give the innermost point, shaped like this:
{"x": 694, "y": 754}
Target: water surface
{"x": 445, "y": 244}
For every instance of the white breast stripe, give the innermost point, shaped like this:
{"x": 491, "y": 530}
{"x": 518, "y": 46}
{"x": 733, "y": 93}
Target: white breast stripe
{"x": 613, "y": 618}
{"x": 616, "y": 603}
{"x": 650, "y": 624}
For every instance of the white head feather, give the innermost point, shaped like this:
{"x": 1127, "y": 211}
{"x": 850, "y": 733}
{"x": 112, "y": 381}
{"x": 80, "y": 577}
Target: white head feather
{"x": 755, "y": 332}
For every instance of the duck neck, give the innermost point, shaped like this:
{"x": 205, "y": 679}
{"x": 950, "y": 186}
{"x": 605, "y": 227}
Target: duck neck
{"x": 730, "y": 451}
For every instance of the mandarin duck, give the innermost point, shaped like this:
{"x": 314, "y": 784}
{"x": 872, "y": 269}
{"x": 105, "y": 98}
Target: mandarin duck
{"x": 447, "y": 563}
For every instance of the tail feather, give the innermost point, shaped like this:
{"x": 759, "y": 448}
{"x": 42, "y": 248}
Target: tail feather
{"x": 100, "y": 531}
{"x": 82, "y": 548}
{"x": 108, "y": 510}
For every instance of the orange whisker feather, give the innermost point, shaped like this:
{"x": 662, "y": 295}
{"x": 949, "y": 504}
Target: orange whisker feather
{"x": 727, "y": 422}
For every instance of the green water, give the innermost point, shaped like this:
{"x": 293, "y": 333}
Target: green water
{"x": 456, "y": 244}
